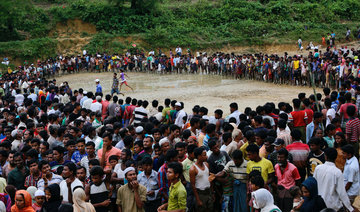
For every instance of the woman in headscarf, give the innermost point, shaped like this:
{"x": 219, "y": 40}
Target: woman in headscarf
{"x": 263, "y": 200}
{"x": 11, "y": 190}
{"x": 53, "y": 198}
{"x": 312, "y": 201}
{"x": 32, "y": 190}
{"x": 23, "y": 202}
{"x": 79, "y": 201}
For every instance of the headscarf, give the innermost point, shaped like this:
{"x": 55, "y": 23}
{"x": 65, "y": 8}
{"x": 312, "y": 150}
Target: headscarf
{"x": 32, "y": 190}
{"x": 11, "y": 190}
{"x": 54, "y": 202}
{"x": 79, "y": 202}
{"x": 2, "y": 184}
{"x": 264, "y": 200}
{"x": 314, "y": 203}
{"x": 28, "y": 202}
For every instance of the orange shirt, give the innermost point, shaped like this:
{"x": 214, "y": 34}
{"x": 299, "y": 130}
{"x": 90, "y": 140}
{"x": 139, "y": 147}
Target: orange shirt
{"x": 112, "y": 151}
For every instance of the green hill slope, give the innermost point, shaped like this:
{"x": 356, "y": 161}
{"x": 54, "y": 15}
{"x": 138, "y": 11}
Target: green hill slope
{"x": 27, "y": 27}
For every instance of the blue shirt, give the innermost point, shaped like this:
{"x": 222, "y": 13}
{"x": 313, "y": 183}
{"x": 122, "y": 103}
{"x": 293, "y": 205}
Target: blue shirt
{"x": 151, "y": 184}
{"x": 98, "y": 88}
{"x": 76, "y": 157}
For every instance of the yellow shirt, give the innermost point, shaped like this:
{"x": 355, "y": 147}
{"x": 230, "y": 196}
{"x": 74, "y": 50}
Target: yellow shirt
{"x": 187, "y": 163}
{"x": 243, "y": 150}
{"x": 177, "y": 197}
{"x": 296, "y": 64}
{"x": 264, "y": 166}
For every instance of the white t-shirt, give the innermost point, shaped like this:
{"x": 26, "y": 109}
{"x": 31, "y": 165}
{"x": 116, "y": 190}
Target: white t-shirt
{"x": 330, "y": 112}
{"x": 119, "y": 171}
{"x": 96, "y": 107}
{"x": 64, "y": 188}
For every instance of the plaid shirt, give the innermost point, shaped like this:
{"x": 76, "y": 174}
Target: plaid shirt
{"x": 164, "y": 184}
{"x": 31, "y": 181}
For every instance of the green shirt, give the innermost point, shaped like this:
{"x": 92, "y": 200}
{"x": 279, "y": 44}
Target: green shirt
{"x": 17, "y": 178}
{"x": 177, "y": 197}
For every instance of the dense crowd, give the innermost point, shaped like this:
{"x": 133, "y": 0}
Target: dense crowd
{"x": 327, "y": 69}
{"x": 63, "y": 149}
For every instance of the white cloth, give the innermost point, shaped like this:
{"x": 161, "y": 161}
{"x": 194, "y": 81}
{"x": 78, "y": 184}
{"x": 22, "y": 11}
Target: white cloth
{"x": 330, "y": 112}
{"x": 95, "y": 107}
{"x": 236, "y": 115}
{"x": 87, "y": 103}
{"x": 33, "y": 97}
{"x": 331, "y": 186}
{"x": 351, "y": 174}
{"x": 64, "y": 188}
{"x": 179, "y": 118}
{"x": 55, "y": 179}
{"x": 263, "y": 200}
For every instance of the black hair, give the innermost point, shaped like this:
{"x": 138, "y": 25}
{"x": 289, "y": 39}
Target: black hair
{"x": 97, "y": 171}
{"x": 212, "y": 142}
{"x": 113, "y": 157}
{"x": 147, "y": 161}
{"x": 72, "y": 167}
{"x": 226, "y": 136}
{"x": 171, "y": 153}
{"x": 258, "y": 181}
{"x": 198, "y": 151}
{"x": 348, "y": 148}
{"x": 190, "y": 148}
{"x": 331, "y": 154}
{"x": 80, "y": 140}
{"x": 176, "y": 167}
{"x": 139, "y": 143}
{"x": 296, "y": 134}
{"x": 180, "y": 145}
{"x": 90, "y": 143}
{"x": 315, "y": 140}
{"x": 350, "y": 110}
{"x": 94, "y": 162}
{"x": 237, "y": 154}
{"x": 283, "y": 151}
{"x": 253, "y": 148}
{"x": 42, "y": 163}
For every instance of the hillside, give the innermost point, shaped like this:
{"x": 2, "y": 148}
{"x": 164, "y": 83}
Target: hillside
{"x": 41, "y": 28}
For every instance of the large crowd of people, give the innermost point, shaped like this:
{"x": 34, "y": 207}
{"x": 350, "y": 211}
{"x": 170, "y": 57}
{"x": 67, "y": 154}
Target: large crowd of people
{"x": 329, "y": 68}
{"x": 63, "y": 149}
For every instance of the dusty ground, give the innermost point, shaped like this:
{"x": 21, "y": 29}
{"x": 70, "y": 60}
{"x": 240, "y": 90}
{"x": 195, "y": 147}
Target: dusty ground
{"x": 210, "y": 91}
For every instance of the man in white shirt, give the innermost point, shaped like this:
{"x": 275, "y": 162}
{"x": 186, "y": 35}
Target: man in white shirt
{"x": 180, "y": 115}
{"x": 50, "y": 178}
{"x": 178, "y": 50}
{"x": 19, "y": 98}
{"x": 32, "y": 95}
{"x": 96, "y": 106}
{"x": 331, "y": 183}
{"x": 351, "y": 172}
{"x": 234, "y": 112}
{"x": 67, "y": 186}
{"x": 87, "y": 103}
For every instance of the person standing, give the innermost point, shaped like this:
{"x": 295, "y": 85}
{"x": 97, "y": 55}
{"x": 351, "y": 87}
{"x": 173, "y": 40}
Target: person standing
{"x": 288, "y": 176}
{"x": 131, "y": 197}
{"x": 98, "y": 86}
{"x": 199, "y": 179}
{"x": 351, "y": 172}
{"x": 17, "y": 176}
{"x": 69, "y": 183}
{"x": 177, "y": 196}
{"x": 300, "y": 43}
{"x": 331, "y": 183}
{"x": 353, "y": 129}
{"x": 298, "y": 118}
{"x": 187, "y": 164}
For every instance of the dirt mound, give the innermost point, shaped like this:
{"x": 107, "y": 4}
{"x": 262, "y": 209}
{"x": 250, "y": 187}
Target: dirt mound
{"x": 72, "y": 28}
{"x": 72, "y": 36}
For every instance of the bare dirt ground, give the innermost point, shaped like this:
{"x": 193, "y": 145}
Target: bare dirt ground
{"x": 211, "y": 91}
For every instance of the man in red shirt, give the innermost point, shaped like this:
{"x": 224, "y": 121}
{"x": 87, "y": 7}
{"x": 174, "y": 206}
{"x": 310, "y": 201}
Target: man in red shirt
{"x": 108, "y": 150}
{"x": 308, "y": 110}
{"x": 300, "y": 152}
{"x": 343, "y": 108}
{"x": 298, "y": 118}
{"x": 353, "y": 129}
{"x": 288, "y": 176}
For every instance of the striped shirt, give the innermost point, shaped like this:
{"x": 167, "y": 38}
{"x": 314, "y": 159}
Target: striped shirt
{"x": 54, "y": 179}
{"x": 238, "y": 173}
{"x": 31, "y": 181}
{"x": 140, "y": 113}
{"x": 353, "y": 129}
{"x": 300, "y": 152}
{"x": 164, "y": 184}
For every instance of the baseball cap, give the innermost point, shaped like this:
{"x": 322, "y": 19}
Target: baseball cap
{"x": 279, "y": 142}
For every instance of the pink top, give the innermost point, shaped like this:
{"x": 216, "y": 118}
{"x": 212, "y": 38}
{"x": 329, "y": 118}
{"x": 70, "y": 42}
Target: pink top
{"x": 287, "y": 179}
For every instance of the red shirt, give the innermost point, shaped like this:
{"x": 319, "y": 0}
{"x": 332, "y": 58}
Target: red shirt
{"x": 353, "y": 129}
{"x": 300, "y": 152}
{"x": 310, "y": 114}
{"x": 298, "y": 117}
{"x": 344, "y": 107}
{"x": 288, "y": 177}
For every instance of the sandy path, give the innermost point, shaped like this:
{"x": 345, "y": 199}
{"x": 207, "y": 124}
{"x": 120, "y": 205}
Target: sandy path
{"x": 210, "y": 91}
